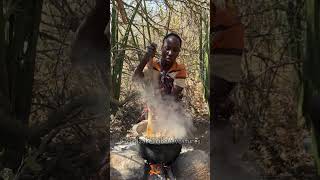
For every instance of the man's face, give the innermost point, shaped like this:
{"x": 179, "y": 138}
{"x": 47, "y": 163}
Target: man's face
{"x": 170, "y": 51}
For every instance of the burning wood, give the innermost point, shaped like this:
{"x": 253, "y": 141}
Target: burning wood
{"x": 155, "y": 169}
{"x": 159, "y": 171}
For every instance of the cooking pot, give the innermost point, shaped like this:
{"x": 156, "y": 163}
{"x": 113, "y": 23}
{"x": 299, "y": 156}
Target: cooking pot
{"x": 159, "y": 151}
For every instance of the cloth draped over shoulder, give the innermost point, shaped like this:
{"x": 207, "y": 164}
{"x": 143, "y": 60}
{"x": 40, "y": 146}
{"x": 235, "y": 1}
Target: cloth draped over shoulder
{"x": 155, "y": 78}
{"x": 228, "y": 45}
{"x": 231, "y": 33}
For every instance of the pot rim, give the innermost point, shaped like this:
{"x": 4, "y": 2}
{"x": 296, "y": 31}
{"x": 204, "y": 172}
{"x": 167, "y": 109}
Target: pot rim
{"x": 157, "y": 141}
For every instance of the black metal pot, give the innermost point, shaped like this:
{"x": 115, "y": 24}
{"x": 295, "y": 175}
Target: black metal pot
{"x": 158, "y": 151}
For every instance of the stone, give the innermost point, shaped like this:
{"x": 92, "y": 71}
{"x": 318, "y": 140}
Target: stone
{"x": 193, "y": 165}
{"x": 126, "y": 163}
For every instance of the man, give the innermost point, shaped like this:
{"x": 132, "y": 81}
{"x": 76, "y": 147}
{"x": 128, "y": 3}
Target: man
{"x": 163, "y": 78}
{"x": 227, "y": 48}
{"x": 164, "y": 75}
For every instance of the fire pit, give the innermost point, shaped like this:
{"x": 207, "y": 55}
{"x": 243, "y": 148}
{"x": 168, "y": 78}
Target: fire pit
{"x": 159, "y": 153}
{"x": 128, "y": 162}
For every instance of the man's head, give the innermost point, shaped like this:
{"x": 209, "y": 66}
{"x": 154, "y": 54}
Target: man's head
{"x": 171, "y": 46}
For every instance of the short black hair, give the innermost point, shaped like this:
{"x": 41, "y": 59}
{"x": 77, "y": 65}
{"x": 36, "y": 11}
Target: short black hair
{"x": 172, "y": 34}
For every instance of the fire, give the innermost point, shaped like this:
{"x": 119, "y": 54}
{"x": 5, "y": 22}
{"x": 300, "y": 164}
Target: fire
{"x": 155, "y": 169}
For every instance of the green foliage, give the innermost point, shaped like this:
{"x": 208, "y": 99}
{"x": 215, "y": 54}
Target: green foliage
{"x": 120, "y": 55}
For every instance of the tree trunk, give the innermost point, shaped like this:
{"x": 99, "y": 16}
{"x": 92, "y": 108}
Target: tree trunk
{"x": 90, "y": 56}
{"x": 206, "y": 58}
{"x": 18, "y": 52}
{"x": 311, "y": 68}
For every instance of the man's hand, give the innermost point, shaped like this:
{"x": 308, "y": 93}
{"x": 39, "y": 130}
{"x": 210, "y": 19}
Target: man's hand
{"x": 151, "y": 50}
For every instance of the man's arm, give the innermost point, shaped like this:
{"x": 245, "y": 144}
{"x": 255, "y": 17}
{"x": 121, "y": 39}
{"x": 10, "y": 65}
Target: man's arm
{"x": 138, "y": 72}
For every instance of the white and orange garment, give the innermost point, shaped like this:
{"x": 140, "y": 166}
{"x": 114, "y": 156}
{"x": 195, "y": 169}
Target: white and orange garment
{"x": 227, "y": 45}
{"x": 152, "y": 74}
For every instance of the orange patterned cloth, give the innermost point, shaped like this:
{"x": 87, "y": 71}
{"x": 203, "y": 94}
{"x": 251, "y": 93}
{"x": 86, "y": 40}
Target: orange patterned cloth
{"x": 177, "y": 73}
{"x": 228, "y": 45}
{"x": 229, "y": 38}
